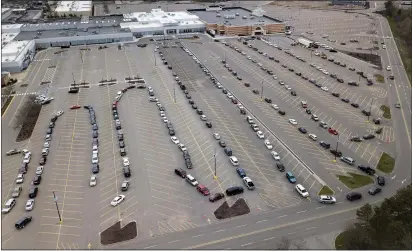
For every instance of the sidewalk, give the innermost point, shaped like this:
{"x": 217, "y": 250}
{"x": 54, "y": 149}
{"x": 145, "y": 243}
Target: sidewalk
{"x": 324, "y": 241}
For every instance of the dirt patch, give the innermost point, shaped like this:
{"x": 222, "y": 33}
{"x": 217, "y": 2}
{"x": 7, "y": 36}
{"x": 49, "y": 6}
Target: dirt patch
{"x": 116, "y": 233}
{"x": 29, "y": 123}
{"x": 238, "y": 208}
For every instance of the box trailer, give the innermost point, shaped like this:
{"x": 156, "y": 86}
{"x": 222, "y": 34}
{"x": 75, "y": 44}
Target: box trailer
{"x": 305, "y": 42}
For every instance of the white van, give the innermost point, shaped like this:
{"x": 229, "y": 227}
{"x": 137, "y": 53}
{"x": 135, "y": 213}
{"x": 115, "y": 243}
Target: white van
{"x": 8, "y": 206}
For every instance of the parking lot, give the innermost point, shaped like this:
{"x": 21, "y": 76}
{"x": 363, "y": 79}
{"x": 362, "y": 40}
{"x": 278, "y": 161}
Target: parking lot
{"x": 369, "y": 151}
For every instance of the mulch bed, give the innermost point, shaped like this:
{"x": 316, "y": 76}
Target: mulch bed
{"x": 29, "y": 123}
{"x": 116, "y": 233}
{"x": 240, "y": 207}
{"x": 6, "y": 104}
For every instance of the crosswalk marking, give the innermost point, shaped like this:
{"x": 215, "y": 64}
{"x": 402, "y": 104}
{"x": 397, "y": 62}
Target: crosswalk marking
{"x": 19, "y": 94}
{"x": 39, "y": 60}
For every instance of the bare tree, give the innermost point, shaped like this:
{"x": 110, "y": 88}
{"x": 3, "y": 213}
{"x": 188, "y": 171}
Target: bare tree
{"x": 299, "y": 244}
{"x": 21, "y": 114}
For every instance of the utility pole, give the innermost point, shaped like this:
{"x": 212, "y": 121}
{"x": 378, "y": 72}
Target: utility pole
{"x": 370, "y": 109}
{"x": 214, "y": 156}
{"x": 57, "y": 206}
{"x": 74, "y": 82}
{"x": 261, "y": 94}
{"x": 337, "y": 143}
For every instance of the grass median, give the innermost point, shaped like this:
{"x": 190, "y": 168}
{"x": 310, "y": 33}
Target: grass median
{"x": 402, "y": 48}
{"x": 326, "y": 191}
{"x": 354, "y": 180}
{"x": 386, "y": 112}
{"x": 386, "y": 163}
{"x": 339, "y": 241}
{"x": 379, "y": 78}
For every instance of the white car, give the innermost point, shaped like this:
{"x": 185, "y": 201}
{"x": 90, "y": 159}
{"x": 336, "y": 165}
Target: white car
{"x": 248, "y": 183}
{"x": 288, "y": 87}
{"x": 249, "y": 58}
{"x": 233, "y": 160}
{"x": 388, "y": 68}
{"x": 216, "y": 135}
{"x": 281, "y": 82}
{"x": 59, "y": 113}
{"x": 27, "y": 157}
{"x": 203, "y": 117}
{"x": 126, "y": 161}
{"x": 191, "y": 180}
{"x": 95, "y": 159}
{"x": 20, "y": 178}
{"x": 29, "y": 205}
{"x": 315, "y": 117}
{"x": 275, "y": 155}
{"x": 46, "y": 144}
{"x": 313, "y": 136}
{"x": 260, "y": 134}
{"x": 229, "y": 95}
{"x": 174, "y": 140}
{"x": 162, "y": 114}
{"x": 268, "y": 144}
{"x": 275, "y": 77}
{"x": 276, "y": 107}
{"x": 165, "y": 119}
{"x": 324, "y": 88}
{"x": 158, "y": 104}
{"x": 325, "y": 199}
{"x": 95, "y": 149}
{"x": 384, "y": 46}
{"x": 219, "y": 86}
{"x": 117, "y": 200}
{"x": 293, "y": 121}
{"x": 260, "y": 64}
{"x": 39, "y": 170}
{"x": 93, "y": 181}
{"x": 153, "y": 99}
{"x": 301, "y": 190}
{"x": 149, "y": 88}
{"x": 325, "y": 72}
{"x": 182, "y": 147}
{"x": 119, "y": 93}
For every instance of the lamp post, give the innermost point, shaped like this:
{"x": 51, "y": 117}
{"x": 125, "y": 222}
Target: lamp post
{"x": 214, "y": 156}
{"x": 370, "y": 109}
{"x": 336, "y": 150}
{"x": 174, "y": 93}
{"x": 261, "y": 93}
{"x": 154, "y": 55}
{"x": 57, "y": 206}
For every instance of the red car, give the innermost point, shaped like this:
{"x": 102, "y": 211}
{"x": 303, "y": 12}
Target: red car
{"x": 203, "y": 190}
{"x": 75, "y": 107}
{"x": 333, "y": 131}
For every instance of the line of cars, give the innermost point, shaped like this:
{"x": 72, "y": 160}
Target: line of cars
{"x": 234, "y": 161}
{"x": 120, "y": 137}
{"x": 33, "y": 191}
{"x": 95, "y": 146}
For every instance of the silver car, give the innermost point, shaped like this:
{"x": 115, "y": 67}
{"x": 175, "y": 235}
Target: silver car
{"x": 29, "y": 205}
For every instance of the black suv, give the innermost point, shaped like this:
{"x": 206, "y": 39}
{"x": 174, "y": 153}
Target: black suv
{"x": 268, "y": 100}
{"x": 199, "y": 111}
{"x": 369, "y": 136}
{"x": 324, "y": 144}
{"x": 23, "y": 222}
{"x": 366, "y": 113}
{"x": 281, "y": 112}
{"x": 180, "y": 172}
{"x": 126, "y": 171}
{"x": 36, "y": 180}
{"x": 353, "y": 196}
{"x": 374, "y": 190}
{"x": 336, "y": 153}
{"x": 33, "y": 192}
{"x": 335, "y": 94}
{"x": 95, "y": 168}
{"x": 367, "y": 169}
{"x": 280, "y": 166}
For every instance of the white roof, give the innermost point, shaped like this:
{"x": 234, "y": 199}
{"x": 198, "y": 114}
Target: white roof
{"x": 12, "y": 50}
{"x": 74, "y": 6}
{"x": 7, "y": 37}
{"x": 10, "y": 27}
{"x": 158, "y": 18}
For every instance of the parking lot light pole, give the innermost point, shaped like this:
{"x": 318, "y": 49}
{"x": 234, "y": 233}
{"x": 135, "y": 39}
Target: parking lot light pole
{"x": 370, "y": 110}
{"x": 57, "y": 206}
{"x": 214, "y": 156}
{"x": 154, "y": 55}
{"x": 261, "y": 93}
{"x": 174, "y": 93}
{"x": 336, "y": 149}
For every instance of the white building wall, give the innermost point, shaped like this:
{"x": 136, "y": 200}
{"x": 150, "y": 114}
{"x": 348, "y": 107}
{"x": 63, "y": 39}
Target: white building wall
{"x": 15, "y": 60}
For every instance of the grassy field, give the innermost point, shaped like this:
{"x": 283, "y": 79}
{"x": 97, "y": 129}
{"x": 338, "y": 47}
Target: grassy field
{"x": 386, "y": 112}
{"x": 386, "y": 163}
{"x": 379, "y": 78}
{"x": 354, "y": 180}
{"x": 326, "y": 191}
{"x": 402, "y": 47}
